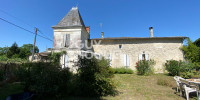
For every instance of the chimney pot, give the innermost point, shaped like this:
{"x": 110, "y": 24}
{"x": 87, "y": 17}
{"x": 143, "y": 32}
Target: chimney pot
{"x": 87, "y": 29}
{"x": 151, "y": 31}
{"x": 102, "y": 34}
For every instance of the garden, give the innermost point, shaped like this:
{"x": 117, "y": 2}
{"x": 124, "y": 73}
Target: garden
{"x": 95, "y": 79}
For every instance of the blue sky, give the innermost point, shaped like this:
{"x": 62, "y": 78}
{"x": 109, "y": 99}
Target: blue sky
{"x": 120, "y": 18}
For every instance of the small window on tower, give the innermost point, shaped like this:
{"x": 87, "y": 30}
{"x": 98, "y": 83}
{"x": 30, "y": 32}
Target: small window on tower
{"x": 120, "y": 46}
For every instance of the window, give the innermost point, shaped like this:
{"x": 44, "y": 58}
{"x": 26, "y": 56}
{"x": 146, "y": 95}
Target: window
{"x": 120, "y": 46}
{"x": 65, "y": 61}
{"x": 143, "y": 56}
{"x": 126, "y": 60}
{"x": 66, "y": 40}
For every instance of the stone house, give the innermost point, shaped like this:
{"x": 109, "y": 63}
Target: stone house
{"x": 72, "y": 36}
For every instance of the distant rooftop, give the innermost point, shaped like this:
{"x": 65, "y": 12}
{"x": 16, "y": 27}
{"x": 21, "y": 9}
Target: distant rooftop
{"x": 72, "y": 18}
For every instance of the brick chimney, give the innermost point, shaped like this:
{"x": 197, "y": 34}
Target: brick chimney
{"x": 87, "y": 29}
{"x": 102, "y": 34}
{"x": 151, "y": 31}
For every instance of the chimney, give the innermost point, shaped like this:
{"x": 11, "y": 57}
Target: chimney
{"x": 151, "y": 31}
{"x": 88, "y": 29}
{"x": 102, "y": 34}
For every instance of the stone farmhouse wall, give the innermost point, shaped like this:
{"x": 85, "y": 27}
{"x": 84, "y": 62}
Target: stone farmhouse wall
{"x": 157, "y": 49}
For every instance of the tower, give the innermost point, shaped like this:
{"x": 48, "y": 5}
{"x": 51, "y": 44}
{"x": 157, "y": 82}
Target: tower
{"x": 70, "y": 35}
{"x": 70, "y": 32}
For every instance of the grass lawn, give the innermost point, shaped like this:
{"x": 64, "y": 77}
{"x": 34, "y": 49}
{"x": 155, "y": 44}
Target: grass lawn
{"x": 134, "y": 87}
{"x": 130, "y": 86}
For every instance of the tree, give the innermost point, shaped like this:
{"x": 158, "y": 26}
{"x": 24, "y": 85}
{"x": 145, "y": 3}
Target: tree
{"x": 13, "y": 50}
{"x": 26, "y": 50}
{"x": 3, "y": 50}
{"x": 197, "y": 42}
{"x": 192, "y": 53}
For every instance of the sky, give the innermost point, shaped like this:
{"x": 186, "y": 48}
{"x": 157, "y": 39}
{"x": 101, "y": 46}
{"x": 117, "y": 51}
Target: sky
{"x": 119, "y": 18}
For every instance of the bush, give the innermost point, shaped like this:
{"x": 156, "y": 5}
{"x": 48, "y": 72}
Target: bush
{"x": 44, "y": 78}
{"x": 180, "y": 68}
{"x": 145, "y": 67}
{"x": 173, "y": 67}
{"x": 123, "y": 70}
{"x": 94, "y": 78}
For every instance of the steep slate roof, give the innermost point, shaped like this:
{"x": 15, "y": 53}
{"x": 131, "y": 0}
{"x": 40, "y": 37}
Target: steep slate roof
{"x": 72, "y": 18}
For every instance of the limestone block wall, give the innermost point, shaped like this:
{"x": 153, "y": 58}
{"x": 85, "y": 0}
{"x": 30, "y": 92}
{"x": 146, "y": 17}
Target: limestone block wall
{"x": 159, "y": 50}
{"x": 58, "y": 41}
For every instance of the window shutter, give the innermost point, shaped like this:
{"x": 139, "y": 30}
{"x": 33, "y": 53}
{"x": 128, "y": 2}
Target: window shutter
{"x": 67, "y": 43}
{"x": 140, "y": 57}
{"x": 66, "y": 60}
{"x": 64, "y": 40}
{"x": 63, "y": 61}
{"x": 147, "y": 56}
{"x": 127, "y": 60}
{"x": 124, "y": 59}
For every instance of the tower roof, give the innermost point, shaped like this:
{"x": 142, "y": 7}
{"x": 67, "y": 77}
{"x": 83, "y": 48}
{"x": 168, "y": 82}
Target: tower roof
{"x": 72, "y": 18}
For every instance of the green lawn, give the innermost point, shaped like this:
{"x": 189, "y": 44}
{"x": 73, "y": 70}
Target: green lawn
{"x": 134, "y": 87}
{"x": 130, "y": 87}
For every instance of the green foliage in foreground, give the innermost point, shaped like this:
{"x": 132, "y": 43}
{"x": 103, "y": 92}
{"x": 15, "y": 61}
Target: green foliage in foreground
{"x": 122, "y": 70}
{"x": 94, "y": 78}
{"x": 44, "y": 78}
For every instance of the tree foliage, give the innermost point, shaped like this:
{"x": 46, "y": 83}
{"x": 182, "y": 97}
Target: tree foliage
{"x": 3, "y": 50}
{"x": 94, "y": 78}
{"x": 14, "y": 51}
{"x": 26, "y": 50}
{"x": 197, "y": 42}
{"x": 192, "y": 53}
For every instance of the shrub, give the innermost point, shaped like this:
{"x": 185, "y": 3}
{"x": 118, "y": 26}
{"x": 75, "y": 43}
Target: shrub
{"x": 44, "y": 78}
{"x": 173, "y": 67}
{"x": 123, "y": 70}
{"x": 94, "y": 78}
{"x": 180, "y": 68}
{"x": 145, "y": 67}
